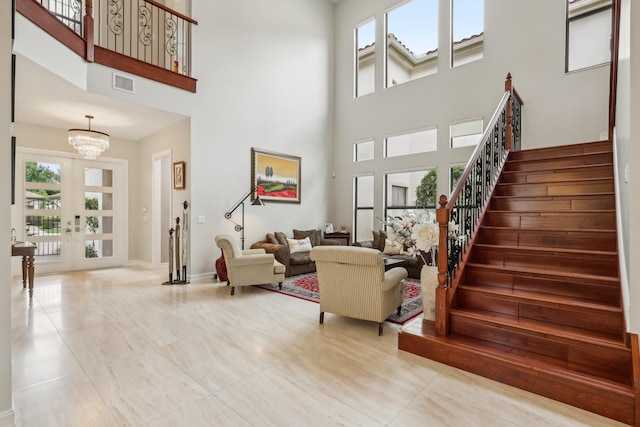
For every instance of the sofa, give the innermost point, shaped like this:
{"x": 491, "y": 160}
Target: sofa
{"x": 413, "y": 264}
{"x": 293, "y": 253}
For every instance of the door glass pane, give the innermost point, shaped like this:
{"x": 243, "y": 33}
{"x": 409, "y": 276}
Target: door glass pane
{"x": 97, "y": 177}
{"x": 43, "y": 202}
{"x": 98, "y": 248}
{"x": 98, "y": 224}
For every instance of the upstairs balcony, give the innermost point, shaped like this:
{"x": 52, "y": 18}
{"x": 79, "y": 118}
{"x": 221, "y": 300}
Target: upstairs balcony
{"x": 140, "y": 37}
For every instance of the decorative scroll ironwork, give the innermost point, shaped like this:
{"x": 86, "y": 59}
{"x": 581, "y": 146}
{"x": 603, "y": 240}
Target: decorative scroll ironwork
{"x": 481, "y": 175}
{"x": 115, "y": 19}
{"x": 172, "y": 40}
{"x": 144, "y": 18}
{"x": 69, "y": 12}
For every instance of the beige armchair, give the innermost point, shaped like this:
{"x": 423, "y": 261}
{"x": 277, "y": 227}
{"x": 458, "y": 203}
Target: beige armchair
{"x": 248, "y": 267}
{"x": 352, "y": 282}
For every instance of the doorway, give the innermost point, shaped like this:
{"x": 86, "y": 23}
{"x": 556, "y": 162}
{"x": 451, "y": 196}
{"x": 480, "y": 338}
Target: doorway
{"x": 74, "y": 210}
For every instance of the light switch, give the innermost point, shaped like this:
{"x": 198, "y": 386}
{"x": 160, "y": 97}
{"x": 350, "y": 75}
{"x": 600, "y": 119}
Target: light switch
{"x": 201, "y": 219}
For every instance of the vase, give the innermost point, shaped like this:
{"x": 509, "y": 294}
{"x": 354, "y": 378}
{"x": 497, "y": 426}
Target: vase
{"x": 428, "y": 285}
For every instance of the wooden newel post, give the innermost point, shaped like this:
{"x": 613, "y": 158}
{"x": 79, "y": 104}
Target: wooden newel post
{"x": 442, "y": 291}
{"x": 508, "y": 87}
{"x": 88, "y": 30}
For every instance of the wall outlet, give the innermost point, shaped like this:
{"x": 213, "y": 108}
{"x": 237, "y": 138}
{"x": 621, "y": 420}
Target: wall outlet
{"x": 626, "y": 173}
{"x": 201, "y": 219}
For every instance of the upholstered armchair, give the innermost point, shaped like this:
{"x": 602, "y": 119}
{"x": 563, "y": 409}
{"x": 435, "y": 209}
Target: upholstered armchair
{"x": 248, "y": 267}
{"x": 352, "y": 282}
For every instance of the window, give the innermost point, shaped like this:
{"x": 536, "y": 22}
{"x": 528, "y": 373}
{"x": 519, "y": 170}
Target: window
{"x": 363, "y": 151}
{"x": 363, "y": 209}
{"x": 467, "y": 31}
{"x": 412, "y": 41}
{"x": 465, "y": 133}
{"x": 588, "y": 33}
{"x": 365, "y": 63}
{"x": 411, "y": 143}
{"x": 455, "y": 173}
{"x": 419, "y": 188}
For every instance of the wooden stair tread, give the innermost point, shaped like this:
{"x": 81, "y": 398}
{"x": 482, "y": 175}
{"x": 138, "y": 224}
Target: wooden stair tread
{"x": 544, "y": 298}
{"x": 547, "y": 272}
{"x": 554, "y": 168}
{"x": 561, "y": 332}
{"x": 556, "y": 196}
{"x": 541, "y": 249}
{"x": 554, "y": 181}
{"x": 525, "y": 360}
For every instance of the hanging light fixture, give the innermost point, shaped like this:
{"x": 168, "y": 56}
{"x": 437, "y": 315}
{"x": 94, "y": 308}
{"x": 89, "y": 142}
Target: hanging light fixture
{"x": 89, "y": 143}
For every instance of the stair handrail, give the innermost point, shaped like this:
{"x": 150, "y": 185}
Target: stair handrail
{"x": 458, "y": 216}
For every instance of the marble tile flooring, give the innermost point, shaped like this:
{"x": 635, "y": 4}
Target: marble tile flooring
{"x": 115, "y": 348}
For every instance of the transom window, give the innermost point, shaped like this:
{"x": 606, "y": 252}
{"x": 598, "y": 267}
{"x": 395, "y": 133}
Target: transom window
{"x": 365, "y": 58}
{"x": 420, "y": 141}
{"x": 467, "y": 31}
{"x": 363, "y": 150}
{"x": 412, "y": 41}
{"x": 588, "y": 33}
{"x": 466, "y": 133}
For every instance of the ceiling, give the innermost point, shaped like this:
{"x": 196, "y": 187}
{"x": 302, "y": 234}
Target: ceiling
{"x": 43, "y": 98}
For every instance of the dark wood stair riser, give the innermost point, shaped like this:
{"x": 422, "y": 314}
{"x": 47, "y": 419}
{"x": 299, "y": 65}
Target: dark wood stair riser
{"x": 556, "y": 189}
{"x": 581, "y": 263}
{"x": 552, "y": 220}
{"x": 586, "y": 240}
{"x": 589, "y": 319}
{"x": 602, "y": 202}
{"x": 586, "y": 358}
{"x": 554, "y": 163}
{"x": 602, "y": 291}
{"x": 566, "y": 174}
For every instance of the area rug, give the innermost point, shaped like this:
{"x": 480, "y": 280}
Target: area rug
{"x": 305, "y": 286}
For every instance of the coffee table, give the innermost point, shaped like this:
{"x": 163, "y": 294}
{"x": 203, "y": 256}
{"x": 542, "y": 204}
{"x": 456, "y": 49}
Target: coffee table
{"x": 389, "y": 263}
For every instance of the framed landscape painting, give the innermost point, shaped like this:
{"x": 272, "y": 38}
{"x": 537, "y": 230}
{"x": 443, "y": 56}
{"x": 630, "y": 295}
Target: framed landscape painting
{"x": 276, "y": 176}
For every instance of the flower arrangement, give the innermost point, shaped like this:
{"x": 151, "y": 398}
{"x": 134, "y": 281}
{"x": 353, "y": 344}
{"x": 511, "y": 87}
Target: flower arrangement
{"x": 414, "y": 233}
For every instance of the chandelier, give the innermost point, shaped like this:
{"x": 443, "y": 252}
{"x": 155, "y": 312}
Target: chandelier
{"x": 89, "y": 143}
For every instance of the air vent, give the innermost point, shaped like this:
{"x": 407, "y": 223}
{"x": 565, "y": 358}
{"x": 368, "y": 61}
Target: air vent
{"x": 122, "y": 83}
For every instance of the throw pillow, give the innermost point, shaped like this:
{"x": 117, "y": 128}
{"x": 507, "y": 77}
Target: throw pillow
{"x": 376, "y": 239}
{"x": 389, "y": 249}
{"x": 271, "y": 239}
{"x": 381, "y": 241}
{"x": 301, "y": 234}
{"x": 299, "y": 245}
{"x": 281, "y": 238}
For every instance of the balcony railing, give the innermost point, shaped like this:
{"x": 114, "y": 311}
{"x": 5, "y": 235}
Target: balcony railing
{"x": 136, "y": 31}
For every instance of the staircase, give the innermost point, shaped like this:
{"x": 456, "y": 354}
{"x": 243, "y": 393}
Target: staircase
{"x": 538, "y": 302}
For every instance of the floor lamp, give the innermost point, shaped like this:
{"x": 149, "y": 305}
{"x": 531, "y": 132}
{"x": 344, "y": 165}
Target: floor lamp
{"x": 240, "y": 227}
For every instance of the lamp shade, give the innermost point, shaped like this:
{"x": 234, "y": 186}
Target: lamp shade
{"x": 89, "y": 143}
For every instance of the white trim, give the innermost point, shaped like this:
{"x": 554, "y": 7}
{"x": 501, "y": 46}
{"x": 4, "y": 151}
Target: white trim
{"x": 156, "y": 208}
{"x": 624, "y": 279}
{"x": 209, "y": 276}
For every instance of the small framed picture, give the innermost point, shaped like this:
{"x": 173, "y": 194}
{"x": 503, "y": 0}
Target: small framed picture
{"x": 178, "y": 176}
{"x": 328, "y": 228}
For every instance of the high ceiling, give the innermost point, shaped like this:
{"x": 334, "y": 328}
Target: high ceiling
{"x": 44, "y": 99}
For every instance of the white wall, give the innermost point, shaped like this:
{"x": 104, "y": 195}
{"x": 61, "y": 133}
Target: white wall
{"x": 559, "y": 108}
{"x": 628, "y": 129}
{"x": 6, "y": 401}
{"x": 265, "y": 81}
{"x": 176, "y": 139}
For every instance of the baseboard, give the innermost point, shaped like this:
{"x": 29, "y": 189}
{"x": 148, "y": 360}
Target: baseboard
{"x": 139, "y": 263}
{"x": 7, "y": 418}
{"x": 203, "y": 277}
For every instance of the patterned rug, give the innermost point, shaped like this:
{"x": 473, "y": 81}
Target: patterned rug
{"x": 305, "y": 286}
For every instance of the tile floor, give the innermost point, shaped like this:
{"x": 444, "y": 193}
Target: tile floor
{"x": 115, "y": 348}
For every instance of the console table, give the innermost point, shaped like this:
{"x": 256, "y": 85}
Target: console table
{"x": 346, "y": 236}
{"x": 26, "y": 250}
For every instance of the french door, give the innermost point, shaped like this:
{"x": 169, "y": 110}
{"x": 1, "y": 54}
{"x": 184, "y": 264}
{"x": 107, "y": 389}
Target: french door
{"x": 74, "y": 210}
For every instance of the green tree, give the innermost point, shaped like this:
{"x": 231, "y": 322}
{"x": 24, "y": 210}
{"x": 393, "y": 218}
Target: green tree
{"x": 456, "y": 173}
{"x": 91, "y": 203}
{"x": 427, "y": 189}
{"x": 38, "y": 172}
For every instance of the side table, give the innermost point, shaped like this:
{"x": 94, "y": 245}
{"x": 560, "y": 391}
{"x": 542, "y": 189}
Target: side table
{"x": 27, "y": 251}
{"x": 340, "y": 236}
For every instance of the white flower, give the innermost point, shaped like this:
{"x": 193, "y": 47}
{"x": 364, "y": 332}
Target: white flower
{"x": 426, "y": 235}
